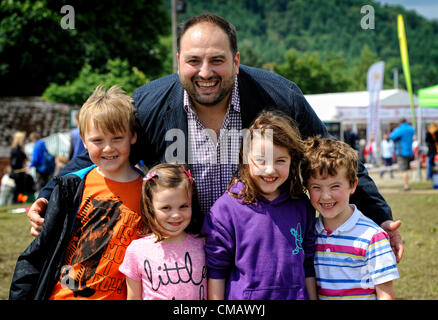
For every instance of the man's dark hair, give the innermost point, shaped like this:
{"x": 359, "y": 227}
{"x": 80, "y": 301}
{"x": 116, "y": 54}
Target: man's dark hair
{"x": 222, "y": 23}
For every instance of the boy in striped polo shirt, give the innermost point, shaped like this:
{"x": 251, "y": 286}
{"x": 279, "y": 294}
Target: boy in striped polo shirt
{"x": 353, "y": 258}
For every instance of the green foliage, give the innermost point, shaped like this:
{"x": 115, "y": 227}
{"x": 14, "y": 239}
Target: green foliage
{"x": 117, "y": 72}
{"x": 360, "y": 69}
{"x": 267, "y": 29}
{"x": 166, "y": 52}
{"x": 313, "y": 73}
{"x": 36, "y": 51}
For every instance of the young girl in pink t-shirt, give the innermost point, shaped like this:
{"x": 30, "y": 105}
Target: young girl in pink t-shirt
{"x": 169, "y": 261}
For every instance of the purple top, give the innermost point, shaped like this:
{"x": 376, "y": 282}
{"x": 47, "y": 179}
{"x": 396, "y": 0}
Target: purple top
{"x": 264, "y": 250}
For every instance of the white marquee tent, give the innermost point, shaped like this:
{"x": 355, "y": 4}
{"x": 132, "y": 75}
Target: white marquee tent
{"x": 351, "y": 108}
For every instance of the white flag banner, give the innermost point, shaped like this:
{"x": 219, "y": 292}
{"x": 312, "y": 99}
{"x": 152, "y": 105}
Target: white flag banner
{"x": 374, "y": 85}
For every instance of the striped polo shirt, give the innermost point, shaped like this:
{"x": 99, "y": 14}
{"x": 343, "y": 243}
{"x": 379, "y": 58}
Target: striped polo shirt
{"x": 353, "y": 259}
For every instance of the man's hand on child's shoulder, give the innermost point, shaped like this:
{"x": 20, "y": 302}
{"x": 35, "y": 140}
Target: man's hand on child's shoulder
{"x": 391, "y": 228}
{"x": 34, "y": 215}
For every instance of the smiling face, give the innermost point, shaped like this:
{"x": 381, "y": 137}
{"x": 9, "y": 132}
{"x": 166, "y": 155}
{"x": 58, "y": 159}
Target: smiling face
{"x": 110, "y": 152}
{"x": 268, "y": 166}
{"x": 206, "y": 65}
{"x": 330, "y": 195}
{"x": 172, "y": 208}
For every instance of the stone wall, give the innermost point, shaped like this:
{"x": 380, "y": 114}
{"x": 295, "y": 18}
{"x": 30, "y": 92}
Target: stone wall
{"x": 30, "y": 114}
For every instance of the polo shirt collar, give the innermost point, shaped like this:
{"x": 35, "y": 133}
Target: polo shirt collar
{"x": 345, "y": 227}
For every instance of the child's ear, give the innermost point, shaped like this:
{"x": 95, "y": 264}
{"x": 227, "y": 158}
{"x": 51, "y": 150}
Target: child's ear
{"x": 354, "y": 186}
{"x": 134, "y": 138}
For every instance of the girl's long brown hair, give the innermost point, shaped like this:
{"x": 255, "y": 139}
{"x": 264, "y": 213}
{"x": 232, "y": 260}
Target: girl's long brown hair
{"x": 285, "y": 134}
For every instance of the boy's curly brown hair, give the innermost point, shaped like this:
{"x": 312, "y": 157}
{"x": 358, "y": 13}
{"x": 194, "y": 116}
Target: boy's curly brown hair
{"x": 324, "y": 156}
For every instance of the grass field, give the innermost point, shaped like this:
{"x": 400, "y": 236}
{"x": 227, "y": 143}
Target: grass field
{"x": 417, "y": 209}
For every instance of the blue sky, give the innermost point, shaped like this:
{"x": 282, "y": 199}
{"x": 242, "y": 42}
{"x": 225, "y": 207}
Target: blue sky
{"x": 426, "y": 8}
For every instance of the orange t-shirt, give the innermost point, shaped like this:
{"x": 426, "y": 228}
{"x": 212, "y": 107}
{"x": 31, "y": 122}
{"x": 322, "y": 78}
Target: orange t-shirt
{"x": 106, "y": 223}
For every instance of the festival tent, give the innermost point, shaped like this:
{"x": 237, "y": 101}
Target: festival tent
{"x": 428, "y": 97}
{"x": 353, "y": 106}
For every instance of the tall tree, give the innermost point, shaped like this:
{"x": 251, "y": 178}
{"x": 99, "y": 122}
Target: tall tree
{"x": 313, "y": 73}
{"x": 36, "y": 50}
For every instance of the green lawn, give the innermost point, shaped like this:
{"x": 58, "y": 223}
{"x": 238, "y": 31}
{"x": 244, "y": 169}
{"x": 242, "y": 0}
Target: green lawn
{"x": 14, "y": 238}
{"x": 418, "y": 268}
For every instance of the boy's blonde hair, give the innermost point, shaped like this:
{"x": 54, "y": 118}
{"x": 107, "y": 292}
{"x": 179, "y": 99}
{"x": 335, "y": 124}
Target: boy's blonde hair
{"x": 111, "y": 111}
{"x": 325, "y": 156}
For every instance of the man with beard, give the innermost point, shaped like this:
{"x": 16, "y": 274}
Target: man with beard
{"x": 197, "y": 115}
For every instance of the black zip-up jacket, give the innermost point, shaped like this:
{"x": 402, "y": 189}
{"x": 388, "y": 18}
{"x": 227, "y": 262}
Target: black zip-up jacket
{"x": 38, "y": 267}
{"x": 159, "y": 104}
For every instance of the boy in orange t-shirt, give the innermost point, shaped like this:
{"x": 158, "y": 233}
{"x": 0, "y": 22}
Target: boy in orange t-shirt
{"x": 93, "y": 215}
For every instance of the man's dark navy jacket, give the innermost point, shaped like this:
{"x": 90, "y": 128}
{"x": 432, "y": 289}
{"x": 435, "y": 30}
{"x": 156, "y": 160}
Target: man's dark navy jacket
{"x": 160, "y": 108}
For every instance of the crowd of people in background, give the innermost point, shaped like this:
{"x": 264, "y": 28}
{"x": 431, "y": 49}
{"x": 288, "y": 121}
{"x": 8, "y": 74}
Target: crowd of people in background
{"x": 432, "y": 147}
{"x": 27, "y": 170}
{"x": 399, "y": 146}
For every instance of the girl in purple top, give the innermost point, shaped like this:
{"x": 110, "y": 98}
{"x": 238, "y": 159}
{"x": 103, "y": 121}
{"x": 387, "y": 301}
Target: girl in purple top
{"x": 260, "y": 238}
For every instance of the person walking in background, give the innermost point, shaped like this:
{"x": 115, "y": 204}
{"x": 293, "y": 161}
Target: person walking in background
{"x": 387, "y": 152}
{"x": 415, "y": 147}
{"x": 7, "y": 188}
{"x": 403, "y": 137}
{"x": 76, "y": 144}
{"x": 28, "y": 150}
{"x": 351, "y": 138}
{"x": 38, "y": 162}
{"x": 371, "y": 152}
{"x": 24, "y": 183}
{"x": 362, "y": 145}
{"x": 431, "y": 142}
{"x": 18, "y": 158}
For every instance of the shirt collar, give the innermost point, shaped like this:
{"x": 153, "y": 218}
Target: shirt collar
{"x": 234, "y": 101}
{"x": 346, "y": 226}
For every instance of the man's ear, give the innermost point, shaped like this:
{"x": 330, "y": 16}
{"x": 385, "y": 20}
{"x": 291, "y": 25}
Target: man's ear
{"x": 237, "y": 61}
{"x": 177, "y": 62}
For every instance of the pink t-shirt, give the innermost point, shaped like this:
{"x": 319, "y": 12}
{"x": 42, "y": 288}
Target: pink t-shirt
{"x": 167, "y": 271}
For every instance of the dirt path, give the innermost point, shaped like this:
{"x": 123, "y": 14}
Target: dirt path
{"x": 395, "y": 185}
